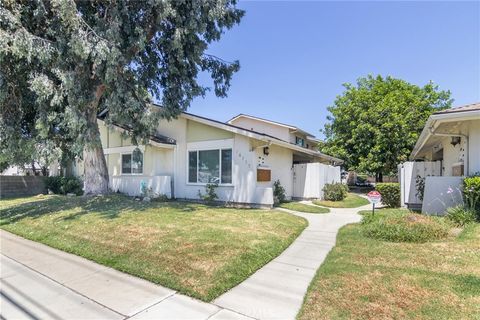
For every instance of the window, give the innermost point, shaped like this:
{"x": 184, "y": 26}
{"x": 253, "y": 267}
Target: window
{"x": 210, "y": 166}
{"x": 132, "y": 163}
{"x": 227, "y": 166}
{"x": 300, "y": 141}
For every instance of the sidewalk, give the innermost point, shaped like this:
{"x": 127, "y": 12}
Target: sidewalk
{"x": 39, "y": 282}
{"x": 276, "y": 291}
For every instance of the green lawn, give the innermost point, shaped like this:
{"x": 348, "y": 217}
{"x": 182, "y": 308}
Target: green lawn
{"x": 198, "y": 250}
{"x": 364, "y": 278}
{"x": 351, "y": 201}
{"x": 297, "y": 206}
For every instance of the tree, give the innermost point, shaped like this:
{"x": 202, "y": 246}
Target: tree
{"x": 64, "y": 61}
{"x": 374, "y": 125}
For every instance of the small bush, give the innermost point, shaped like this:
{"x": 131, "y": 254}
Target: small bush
{"x": 460, "y": 215}
{"x": 471, "y": 193}
{"x": 335, "y": 191}
{"x": 390, "y": 194}
{"x": 210, "y": 193}
{"x": 278, "y": 192}
{"x": 409, "y": 227}
{"x": 64, "y": 185}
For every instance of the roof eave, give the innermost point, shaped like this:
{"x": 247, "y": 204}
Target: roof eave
{"x": 434, "y": 120}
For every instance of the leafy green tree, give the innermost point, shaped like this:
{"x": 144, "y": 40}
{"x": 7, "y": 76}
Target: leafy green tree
{"x": 374, "y": 125}
{"x": 64, "y": 61}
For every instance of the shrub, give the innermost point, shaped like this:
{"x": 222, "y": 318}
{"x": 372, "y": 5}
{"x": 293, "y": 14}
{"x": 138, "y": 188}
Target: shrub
{"x": 409, "y": 227}
{"x": 210, "y": 192}
{"x": 64, "y": 185}
{"x": 335, "y": 191}
{"x": 461, "y": 215}
{"x": 471, "y": 193}
{"x": 390, "y": 194}
{"x": 278, "y": 192}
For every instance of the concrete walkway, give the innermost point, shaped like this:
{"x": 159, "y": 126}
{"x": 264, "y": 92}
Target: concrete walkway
{"x": 39, "y": 282}
{"x": 276, "y": 291}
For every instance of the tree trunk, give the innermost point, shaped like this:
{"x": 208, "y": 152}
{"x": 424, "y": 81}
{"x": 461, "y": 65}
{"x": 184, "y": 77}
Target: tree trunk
{"x": 95, "y": 166}
{"x": 379, "y": 177}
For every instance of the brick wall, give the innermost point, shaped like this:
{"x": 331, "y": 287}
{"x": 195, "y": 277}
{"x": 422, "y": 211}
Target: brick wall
{"x": 16, "y": 186}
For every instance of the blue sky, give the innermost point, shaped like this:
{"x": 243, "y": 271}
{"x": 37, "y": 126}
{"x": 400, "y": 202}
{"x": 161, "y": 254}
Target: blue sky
{"x": 295, "y": 56}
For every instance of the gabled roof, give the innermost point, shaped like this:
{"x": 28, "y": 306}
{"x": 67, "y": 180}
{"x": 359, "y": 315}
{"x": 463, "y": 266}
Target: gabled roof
{"x": 235, "y": 129}
{"x": 259, "y": 136}
{"x": 291, "y": 127}
{"x": 158, "y": 138}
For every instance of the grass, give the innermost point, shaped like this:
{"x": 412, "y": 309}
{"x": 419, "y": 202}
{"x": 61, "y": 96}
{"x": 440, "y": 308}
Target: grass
{"x": 364, "y": 278}
{"x": 399, "y": 225}
{"x": 198, "y": 250}
{"x": 297, "y": 206}
{"x": 350, "y": 201}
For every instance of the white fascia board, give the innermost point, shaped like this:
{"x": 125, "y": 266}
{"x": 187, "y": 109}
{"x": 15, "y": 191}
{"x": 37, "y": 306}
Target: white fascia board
{"x": 262, "y": 120}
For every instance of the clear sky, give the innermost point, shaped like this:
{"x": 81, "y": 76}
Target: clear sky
{"x": 295, "y": 56}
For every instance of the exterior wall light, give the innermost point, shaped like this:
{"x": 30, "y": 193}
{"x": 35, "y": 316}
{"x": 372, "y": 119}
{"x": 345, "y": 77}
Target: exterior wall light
{"x": 455, "y": 141}
{"x": 266, "y": 151}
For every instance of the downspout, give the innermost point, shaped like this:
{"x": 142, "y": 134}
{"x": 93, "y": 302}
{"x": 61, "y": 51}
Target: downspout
{"x": 465, "y": 159}
{"x": 174, "y": 171}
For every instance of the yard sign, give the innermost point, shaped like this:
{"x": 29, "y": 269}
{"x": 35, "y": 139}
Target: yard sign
{"x": 374, "y": 197}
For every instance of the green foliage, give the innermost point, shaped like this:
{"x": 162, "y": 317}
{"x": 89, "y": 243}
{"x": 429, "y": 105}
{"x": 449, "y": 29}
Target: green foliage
{"x": 64, "y": 185}
{"x": 278, "y": 192}
{"x": 420, "y": 187}
{"x": 390, "y": 194}
{"x": 210, "y": 192}
{"x": 404, "y": 227}
{"x": 461, "y": 215}
{"x": 62, "y": 62}
{"x": 376, "y": 114}
{"x": 335, "y": 191}
{"x": 471, "y": 193}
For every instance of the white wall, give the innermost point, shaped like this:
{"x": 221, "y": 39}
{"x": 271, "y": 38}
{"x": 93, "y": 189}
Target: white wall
{"x": 131, "y": 185}
{"x": 441, "y": 193}
{"x": 452, "y": 155}
{"x": 408, "y": 172}
{"x": 474, "y": 147}
{"x": 310, "y": 178}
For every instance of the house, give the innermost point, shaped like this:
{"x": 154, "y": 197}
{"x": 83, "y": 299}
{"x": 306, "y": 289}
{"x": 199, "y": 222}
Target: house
{"x": 244, "y": 156}
{"x": 447, "y": 150}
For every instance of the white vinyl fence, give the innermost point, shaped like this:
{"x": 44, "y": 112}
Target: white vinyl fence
{"x": 408, "y": 173}
{"x": 310, "y": 178}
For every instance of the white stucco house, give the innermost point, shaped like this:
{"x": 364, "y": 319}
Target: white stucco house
{"x": 244, "y": 155}
{"x": 447, "y": 150}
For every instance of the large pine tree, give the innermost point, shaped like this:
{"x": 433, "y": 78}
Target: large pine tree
{"x": 63, "y": 61}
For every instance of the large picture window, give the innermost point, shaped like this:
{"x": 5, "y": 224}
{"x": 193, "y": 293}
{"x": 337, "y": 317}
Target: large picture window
{"x": 132, "y": 163}
{"x": 210, "y": 166}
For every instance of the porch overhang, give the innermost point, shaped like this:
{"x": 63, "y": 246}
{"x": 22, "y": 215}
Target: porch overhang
{"x": 442, "y": 124}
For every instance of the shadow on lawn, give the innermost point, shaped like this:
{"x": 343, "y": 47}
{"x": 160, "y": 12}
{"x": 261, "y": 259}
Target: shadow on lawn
{"x": 108, "y": 207}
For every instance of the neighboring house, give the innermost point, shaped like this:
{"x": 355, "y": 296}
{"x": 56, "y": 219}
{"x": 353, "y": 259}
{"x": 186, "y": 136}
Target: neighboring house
{"x": 243, "y": 157}
{"x": 449, "y": 149}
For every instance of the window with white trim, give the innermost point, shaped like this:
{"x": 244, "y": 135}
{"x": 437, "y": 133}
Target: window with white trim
{"x": 132, "y": 163}
{"x": 210, "y": 166}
